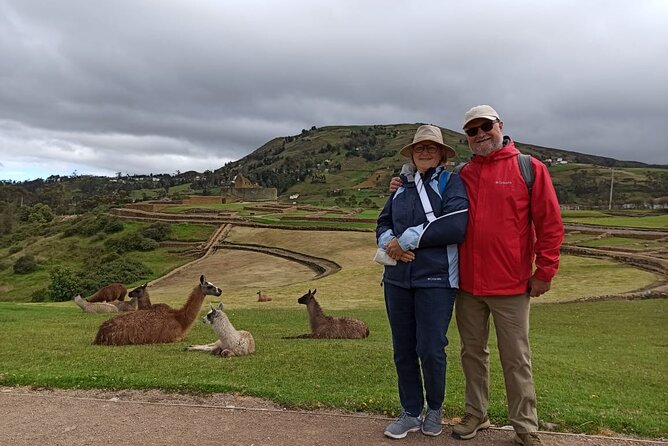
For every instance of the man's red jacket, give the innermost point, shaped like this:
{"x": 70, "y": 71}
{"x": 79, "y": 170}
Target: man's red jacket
{"x": 502, "y": 239}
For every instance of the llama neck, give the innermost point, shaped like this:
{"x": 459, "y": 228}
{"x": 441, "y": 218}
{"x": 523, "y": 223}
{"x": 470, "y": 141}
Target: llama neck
{"x": 186, "y": 315}
{"x": 80, "y": 301}
{"x": 225, "y": 330}
{"x": 144, "y": 301}
{"x": 316, "y": 316}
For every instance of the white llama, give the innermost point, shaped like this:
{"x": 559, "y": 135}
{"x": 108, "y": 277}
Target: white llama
{"x": 231, "y": 342}
{"x": 94, "y": 307}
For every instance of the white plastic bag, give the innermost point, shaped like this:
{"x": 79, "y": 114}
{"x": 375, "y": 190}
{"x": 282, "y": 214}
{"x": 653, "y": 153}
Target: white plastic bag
{"x": 383, "y": 258}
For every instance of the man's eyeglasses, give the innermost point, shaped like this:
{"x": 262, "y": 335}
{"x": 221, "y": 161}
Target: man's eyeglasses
{"x": 430, "y": 149}
{"x": 485, "y": 127}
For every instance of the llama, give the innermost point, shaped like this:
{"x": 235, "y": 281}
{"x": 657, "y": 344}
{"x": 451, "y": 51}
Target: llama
{"x": 153, "y": 327}
{"x": 262, "y": 297}
{"x": 328, "y": 327}
{"x": 123, "y": 306}
{"x": 230, "y": 341}
{"x": 94, "y": 307}
{"x": 144, "y": 301}
{"x": 113, "y": 291}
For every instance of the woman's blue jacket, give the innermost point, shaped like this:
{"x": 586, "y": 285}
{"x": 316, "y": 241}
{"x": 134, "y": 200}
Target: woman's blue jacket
{"x": 434, "y": 244}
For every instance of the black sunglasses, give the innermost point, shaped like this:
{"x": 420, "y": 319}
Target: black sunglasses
{"x": 485, "y": 127}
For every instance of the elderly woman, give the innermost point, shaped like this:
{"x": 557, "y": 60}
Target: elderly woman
{"x": 421, "y": 225}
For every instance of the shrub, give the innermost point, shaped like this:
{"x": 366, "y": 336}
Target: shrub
{"x": 14, "y": 249}
{"x": 130, "y": 242}
{"x": 119, "y": 270}
{"x": 39, "y": 295}
{"x": 159, "y": 231}
{"x": 64, "y": 285}
{"x": 39, "y": 213}
{"x": 25, "y": 264}
{"x": 113, "y": 226}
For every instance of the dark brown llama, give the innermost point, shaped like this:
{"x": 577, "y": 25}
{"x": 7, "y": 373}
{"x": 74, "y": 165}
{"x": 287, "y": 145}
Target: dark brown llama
{"x": 328, "y": 327}
{"x": 144, "y": 301}
{"x": 113, "y": 291}
{"x": 154, "y": 327}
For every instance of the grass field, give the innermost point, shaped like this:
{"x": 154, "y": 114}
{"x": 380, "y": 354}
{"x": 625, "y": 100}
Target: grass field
{"x": 599, "y": 367}
{"x": 658, "y": 221}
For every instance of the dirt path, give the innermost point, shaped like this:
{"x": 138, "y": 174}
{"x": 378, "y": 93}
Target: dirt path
{"x": 97, "y": 417}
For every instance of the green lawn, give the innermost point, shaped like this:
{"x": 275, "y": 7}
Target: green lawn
{"x": 630, "y": 219}
{"x": 598, "y": 366}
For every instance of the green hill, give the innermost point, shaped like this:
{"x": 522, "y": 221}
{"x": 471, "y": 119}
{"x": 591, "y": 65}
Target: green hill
{"x": 343, "y": 166}
{"x": 353, "y": 165}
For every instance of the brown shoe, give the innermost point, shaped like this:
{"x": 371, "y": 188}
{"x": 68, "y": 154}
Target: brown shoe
{"x": 469, "y": 426}
{"x": 528, "y": 439}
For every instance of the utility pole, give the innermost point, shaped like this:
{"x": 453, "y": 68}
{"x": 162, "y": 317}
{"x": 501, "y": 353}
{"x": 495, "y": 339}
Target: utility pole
{"x": 612, "y": 180}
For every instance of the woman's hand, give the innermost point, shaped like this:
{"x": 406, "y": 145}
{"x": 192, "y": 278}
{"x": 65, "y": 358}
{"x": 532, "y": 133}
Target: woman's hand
{"x": 395, "y": 184}
{"x": 394, "y": 250}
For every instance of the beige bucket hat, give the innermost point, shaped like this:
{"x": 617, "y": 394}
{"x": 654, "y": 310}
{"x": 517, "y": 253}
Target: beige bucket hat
{"x": 429, "y": 133}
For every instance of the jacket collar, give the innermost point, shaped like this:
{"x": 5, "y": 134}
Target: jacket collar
{"x": 508, "y": 150}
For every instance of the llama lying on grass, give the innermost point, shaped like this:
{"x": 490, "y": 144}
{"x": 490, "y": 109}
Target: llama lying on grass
{"x": 231, "y": 342}
{"x": 113, "y": 291}
{"x": 262, "y": 297}
{"x": 144, "y": 301}
{"x": 153, "y": 327}
{"x": 123, "y": 306}
{"x": 94, "y": 307}
{"x": 328, "y": 327}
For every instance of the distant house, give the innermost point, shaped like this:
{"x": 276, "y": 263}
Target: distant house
{"x": 243, "y": 189}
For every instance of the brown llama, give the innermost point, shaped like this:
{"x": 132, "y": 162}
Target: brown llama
{"x": 328, "y": 327}
{"x": 113, "y": 291}
{"x": 262, "y": 297}
{"x": 94, "y": 307}
{"x": 154, "y": 327}
{"x": 144, "y": 301}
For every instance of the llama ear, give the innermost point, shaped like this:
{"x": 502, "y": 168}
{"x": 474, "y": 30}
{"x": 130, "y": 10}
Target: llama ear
{"x": 211, "y": 305}
{"x": 202, "y": 280}
{"x": 220, "y": 306}
{"x": 314, "y": 290}
{"x": 145, "y": 285}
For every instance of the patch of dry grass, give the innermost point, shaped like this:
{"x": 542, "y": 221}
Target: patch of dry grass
{"x": 242, "y": 273}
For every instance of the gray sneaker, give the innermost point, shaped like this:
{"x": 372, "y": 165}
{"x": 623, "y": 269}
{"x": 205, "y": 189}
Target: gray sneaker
{"x": 403, "y": 425}
{"x": 432, "y": 423}
{"x": 469, "y": 426}
{"x": 528, "y": 439}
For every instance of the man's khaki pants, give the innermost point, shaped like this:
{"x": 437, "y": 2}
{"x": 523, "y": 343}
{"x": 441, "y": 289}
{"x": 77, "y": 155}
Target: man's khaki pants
{"x": 511, "y": 320}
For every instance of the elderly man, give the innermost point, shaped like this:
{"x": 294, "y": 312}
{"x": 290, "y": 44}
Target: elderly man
{"x": 509, "y": 226}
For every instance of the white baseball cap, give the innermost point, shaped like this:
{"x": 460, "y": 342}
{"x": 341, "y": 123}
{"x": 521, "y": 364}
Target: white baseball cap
{"x": 480, "y": 111}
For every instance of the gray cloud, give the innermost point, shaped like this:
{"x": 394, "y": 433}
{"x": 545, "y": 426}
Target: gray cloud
{"x": 149, "y": 86}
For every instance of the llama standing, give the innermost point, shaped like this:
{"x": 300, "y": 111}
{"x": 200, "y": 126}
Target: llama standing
{"x": 262, "y": 297}
{"x": 231, "y": 342}
{"x": 153, "y": 327}
{"x": 94, "y": 307}
{"x": 113, "y": 291}
{"x": 328, "y": 327}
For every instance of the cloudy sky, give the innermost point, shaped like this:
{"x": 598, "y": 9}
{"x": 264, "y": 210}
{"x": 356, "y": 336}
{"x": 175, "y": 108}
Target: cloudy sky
{"x": 139, "y": 86}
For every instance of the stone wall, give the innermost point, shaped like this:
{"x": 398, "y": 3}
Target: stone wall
{"x": 251, "y": 194}
{"x": 201, "y": 199}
